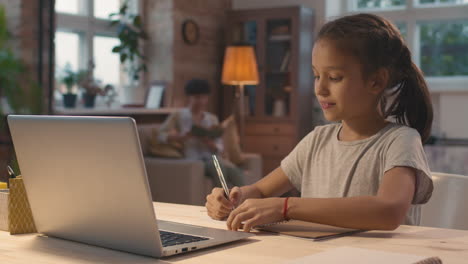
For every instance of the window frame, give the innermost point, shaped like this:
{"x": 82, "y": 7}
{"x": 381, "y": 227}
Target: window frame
{"x": 412, "y": 15}
{"x": 87, "y": 26}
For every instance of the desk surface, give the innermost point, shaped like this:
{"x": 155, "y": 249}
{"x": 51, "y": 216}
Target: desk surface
{"x": 450, "y": 245}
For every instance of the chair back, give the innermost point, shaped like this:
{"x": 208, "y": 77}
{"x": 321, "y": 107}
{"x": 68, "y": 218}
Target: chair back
{"x": 448, "y": 206}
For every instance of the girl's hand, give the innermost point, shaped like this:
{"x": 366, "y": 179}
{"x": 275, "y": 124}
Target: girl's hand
{"x": 255, "y": 212}
{"x": 218, "y": 207}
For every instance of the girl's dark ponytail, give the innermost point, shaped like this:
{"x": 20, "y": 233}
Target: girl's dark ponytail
{"x": 411, "y": 104}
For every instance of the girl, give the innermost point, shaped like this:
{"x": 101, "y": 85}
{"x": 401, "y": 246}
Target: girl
{"x": 364, "y": 172}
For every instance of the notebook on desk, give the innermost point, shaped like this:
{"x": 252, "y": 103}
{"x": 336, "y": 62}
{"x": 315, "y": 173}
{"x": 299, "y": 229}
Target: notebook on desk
{"x": 86, "y": 181}
{"x": 309, "y": 230}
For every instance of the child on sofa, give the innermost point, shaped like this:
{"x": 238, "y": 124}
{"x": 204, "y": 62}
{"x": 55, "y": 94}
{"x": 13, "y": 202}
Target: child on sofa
{"x": 178, "y": 127}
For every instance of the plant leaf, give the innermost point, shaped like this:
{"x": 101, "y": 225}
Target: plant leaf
{"x": 123, "y": 57}
{"x": 114, "y": 23}
{"x": 137, "y": 21}
{"x": 116, "y": 49}
{"x": 123, "y": 8}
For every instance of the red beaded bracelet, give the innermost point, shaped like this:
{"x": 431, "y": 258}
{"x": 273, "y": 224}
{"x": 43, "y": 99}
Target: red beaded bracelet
{"x": 285, "y": 209}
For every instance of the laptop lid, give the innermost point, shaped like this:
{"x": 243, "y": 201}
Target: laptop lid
{"x": 86, "y": 180}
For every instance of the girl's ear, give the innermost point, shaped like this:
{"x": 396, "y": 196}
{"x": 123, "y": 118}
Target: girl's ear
{"x": 379, "y": 81}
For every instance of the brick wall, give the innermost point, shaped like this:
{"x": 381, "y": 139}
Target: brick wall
{"x": 23, "y": 24}
{"x": 13, "y": 15}
{"x": 32, "y": 52}
{"x": 171, "y": 59}
{"x": 158, "y": 50}
{"x": 22, "y": 19}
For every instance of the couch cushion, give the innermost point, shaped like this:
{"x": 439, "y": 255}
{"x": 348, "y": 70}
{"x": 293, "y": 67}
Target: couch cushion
{"x": 165, "y": 150}
{"x": 145, "y": 133}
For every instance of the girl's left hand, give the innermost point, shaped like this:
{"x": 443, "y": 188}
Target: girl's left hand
{"x": 253, "y": 212}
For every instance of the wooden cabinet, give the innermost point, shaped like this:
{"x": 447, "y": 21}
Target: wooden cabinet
{"x": 279, "y": 109}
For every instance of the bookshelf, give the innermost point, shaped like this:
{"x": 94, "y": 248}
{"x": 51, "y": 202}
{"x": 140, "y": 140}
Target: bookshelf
{"x": 279, "y": 108}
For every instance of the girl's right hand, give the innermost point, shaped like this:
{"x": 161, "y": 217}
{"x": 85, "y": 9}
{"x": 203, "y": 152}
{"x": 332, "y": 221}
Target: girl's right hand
{"x": 218, "y": 207}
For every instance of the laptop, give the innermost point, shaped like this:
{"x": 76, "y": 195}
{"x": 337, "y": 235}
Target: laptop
{"x": 86, "y": 181}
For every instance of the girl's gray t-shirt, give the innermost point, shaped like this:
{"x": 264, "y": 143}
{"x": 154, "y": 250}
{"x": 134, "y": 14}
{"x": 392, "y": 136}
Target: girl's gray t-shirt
{"x": 321, "y": 166}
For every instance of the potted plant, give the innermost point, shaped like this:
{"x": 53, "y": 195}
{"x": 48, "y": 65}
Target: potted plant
{"x": 69, "y": 79}
{"x": 90, "y": 87}
{"x": 130, "y": 33}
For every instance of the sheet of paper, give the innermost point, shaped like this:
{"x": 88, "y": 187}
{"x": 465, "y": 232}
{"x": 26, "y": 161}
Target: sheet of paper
{"x": 353, "y": 255}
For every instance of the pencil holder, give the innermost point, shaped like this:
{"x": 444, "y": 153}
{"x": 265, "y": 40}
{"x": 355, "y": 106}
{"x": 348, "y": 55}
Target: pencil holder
{"x": 20, "y": 220}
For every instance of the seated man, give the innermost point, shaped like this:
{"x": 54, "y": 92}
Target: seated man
{"x": 179, "y": 127}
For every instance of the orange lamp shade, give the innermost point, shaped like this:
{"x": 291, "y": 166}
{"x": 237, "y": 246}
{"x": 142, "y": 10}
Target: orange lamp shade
{"x": 240, "y": 66}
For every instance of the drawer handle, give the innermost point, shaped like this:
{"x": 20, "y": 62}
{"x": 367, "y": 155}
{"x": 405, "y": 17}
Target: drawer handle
{"x": 276, "y": 129}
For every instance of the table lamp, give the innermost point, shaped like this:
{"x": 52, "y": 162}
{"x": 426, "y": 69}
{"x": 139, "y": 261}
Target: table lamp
{"x": 240, "y": 69}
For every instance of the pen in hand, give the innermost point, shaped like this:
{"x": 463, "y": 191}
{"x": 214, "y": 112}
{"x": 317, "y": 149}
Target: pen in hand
{"x": 221, "y": 177}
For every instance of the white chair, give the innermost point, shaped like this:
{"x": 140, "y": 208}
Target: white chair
{"x": 448, "y": 206}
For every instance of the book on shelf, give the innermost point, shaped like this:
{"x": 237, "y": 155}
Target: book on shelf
{"x": 280, "y": 30}
{"x": 285, "y": 62}
{"x": 212, "y": 132}
{"x": 280, "y": 37}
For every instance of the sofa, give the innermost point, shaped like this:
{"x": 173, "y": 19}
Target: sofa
{"x": 182, "y": 180}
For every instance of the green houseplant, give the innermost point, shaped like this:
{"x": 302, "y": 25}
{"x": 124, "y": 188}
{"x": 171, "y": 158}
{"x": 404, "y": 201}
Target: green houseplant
{"x": 130, "y": 33}
{"x": 69, "y": 78}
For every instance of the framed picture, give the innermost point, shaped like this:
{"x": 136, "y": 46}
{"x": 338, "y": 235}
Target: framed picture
{"x": 155, "y": 94}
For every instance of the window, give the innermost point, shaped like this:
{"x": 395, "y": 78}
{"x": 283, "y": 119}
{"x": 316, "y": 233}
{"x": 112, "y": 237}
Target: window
{"x": 402, "y": 28}
{"x": 442, "y": 2}
{"x": 380, "y": 4}
{"x": 103, "y": 11}
{"x": 66, "y": 49}
{"x": 67, "y": 6}
{"x": 107, "y": 64}
{"x": 436, "y": 32}
{"x": 84, "y": 38}
{"x": 444, "y": 48}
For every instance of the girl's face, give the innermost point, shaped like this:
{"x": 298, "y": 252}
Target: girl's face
{"x": 198, "y": 102}
{"x": 340, "y": 87}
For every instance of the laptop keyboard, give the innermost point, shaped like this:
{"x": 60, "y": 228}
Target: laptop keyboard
{"x": 172, "y": 239}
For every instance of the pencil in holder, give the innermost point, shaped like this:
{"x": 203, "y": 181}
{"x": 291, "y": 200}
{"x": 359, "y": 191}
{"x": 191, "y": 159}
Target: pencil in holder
{"x": 20, "y": 219}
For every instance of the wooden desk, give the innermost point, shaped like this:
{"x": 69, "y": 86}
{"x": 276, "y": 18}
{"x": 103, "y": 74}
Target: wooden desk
{"x": 450, "y": 245}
